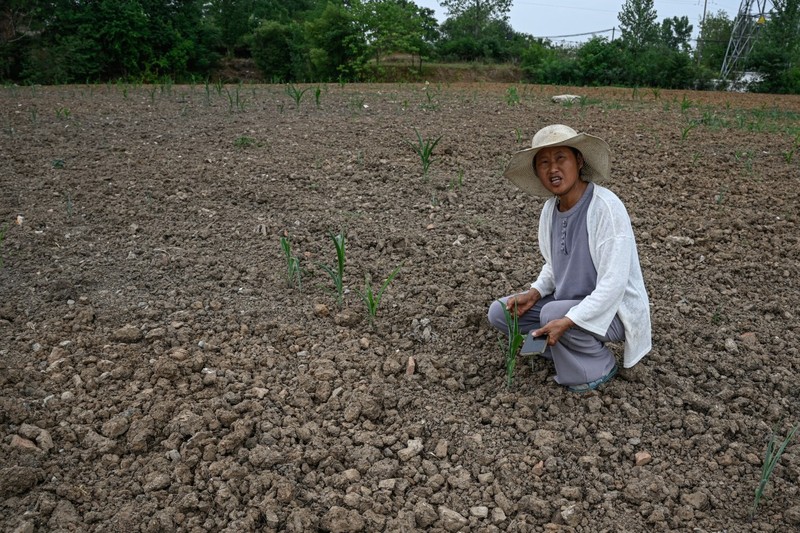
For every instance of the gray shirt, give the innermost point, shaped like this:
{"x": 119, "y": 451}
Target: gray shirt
{"x": 573, "y": 269}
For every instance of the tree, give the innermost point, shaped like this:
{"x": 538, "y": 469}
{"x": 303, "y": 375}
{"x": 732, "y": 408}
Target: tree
{"x": 477, "y": 13}
{"x": 337, "y": 46}
{"x": 637, "y": 23}
{"x": 712, "y": 44}
{"x": 675, "y": 33}
{"x": 600, "y": 62}
{"x": 776, "y": 54}
{"x": 392, "y": 26}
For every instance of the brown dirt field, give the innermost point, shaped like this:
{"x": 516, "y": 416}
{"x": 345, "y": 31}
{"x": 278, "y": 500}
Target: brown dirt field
{"x": 159, "y": 373}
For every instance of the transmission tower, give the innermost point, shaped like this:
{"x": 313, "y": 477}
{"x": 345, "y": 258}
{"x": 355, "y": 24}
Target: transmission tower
{"x": 751, "y": 18}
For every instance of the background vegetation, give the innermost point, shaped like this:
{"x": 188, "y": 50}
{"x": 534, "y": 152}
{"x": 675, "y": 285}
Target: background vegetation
{"x": 67, "y": 41}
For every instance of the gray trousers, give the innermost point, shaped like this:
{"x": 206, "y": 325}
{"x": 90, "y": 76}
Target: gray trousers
{"x": 579, "y": 356}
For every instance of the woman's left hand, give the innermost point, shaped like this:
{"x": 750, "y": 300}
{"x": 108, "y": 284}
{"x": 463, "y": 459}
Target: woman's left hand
{"x": 554, "y": 329}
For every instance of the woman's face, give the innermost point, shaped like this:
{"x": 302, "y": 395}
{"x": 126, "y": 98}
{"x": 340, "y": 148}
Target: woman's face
{"x": 558, "y": 168}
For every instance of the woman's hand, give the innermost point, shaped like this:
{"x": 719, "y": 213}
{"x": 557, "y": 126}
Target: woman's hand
{"x": 522, "y": 303}
{"x": 554, "y": 329}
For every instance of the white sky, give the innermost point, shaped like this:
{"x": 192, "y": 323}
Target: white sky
{"x": 550, "y": 18}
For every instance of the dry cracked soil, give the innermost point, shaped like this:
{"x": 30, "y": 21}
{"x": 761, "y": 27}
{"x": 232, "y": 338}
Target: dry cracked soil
{"x": 159, "y": 371}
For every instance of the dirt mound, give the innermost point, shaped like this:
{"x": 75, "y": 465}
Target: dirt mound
{"x": 159, "y": 372}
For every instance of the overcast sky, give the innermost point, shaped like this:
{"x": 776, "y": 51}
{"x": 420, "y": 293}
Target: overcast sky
{"x": 552, "y": 18}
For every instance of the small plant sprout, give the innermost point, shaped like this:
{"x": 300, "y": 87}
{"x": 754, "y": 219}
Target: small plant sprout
{"x": 513, "y": 343}
{"x": 686, "y": 129}
{"x": 424, "y": 149}
{"x": 789, "y": 154}
{"x": 458, "y": 181}
{"x": 317, "y": 94}
{"x": 235, "y": 101}
{"x": 518, "y": 134}
{"x": 244, "y": 142}
{"x": 371, "y": 299}
{"x": 771, "y": 459}
{"x": 62, "y": 113}
{"x": 296, "y": 94}
{"x": 337, "y": 275}
{"x": 69, "y": 204}
{"x": 685, "y": 104}
{"x": 512, "y": 96}
{"x": 292, "y": 264}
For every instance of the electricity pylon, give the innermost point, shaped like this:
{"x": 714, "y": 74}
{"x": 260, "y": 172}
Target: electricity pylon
{"x": 748, "y": 24}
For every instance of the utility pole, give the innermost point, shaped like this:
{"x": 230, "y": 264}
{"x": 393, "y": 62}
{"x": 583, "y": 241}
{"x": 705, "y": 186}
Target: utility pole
{"x": 746, "y": 28}
{"x": 702, "y": 29}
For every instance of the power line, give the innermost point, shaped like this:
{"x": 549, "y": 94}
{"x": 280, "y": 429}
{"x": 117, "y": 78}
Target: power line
{"x": 575, "y": 34}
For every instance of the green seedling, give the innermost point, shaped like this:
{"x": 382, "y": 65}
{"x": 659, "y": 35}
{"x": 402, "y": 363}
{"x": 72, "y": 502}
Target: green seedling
{"x": 69, "y": 204}
{"x": 685, "y": 104}
{"x": 686, "y": 129}
{"x": 458, "y": 181}
{"x": 62, "y": 112}
{"x": 58, "y": 163}
{"x": 771, "y": 459}
{"x": 235, "y": 101}
{"x": 424, "y": 149}
{"x": 317, "y": 94}
{"x": 512, "y": 97}
{"x": 292, "y": 264}
{"x": 244, "y": 142}
{"x": 357, "y": 103}
{"x": 513, "y": 343}
{"x": 518, "y": 133}
{"x": 337, "y": 275}
{"x": 371, "y": 299}
{"x": 297, "y": 94}
{"x": 789, "y": 154}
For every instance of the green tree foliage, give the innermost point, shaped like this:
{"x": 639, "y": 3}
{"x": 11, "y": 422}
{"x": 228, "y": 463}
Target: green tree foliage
{"x": 712, "y": 44}
{"x": 396, "y": 26}
{"x": 675, "y": 33}
{"x": 106, "y": 39}
{"x": 475, "y": 15}
{"x": 476, "y": 33}
{"x": 776, "y": 53}
{"x": 337, "y": 46}
{"x": 62, "y": 41}
{"x": 637, "y": 23}
{"x": 271, "y": 46}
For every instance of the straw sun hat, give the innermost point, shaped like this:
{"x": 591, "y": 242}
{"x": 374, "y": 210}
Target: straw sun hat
{"x": 596, "y": 157}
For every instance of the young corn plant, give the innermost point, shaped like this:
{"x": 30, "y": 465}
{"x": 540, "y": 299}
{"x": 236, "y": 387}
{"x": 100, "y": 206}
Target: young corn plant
{"x": 337, "y": 275}
{"x": 513, "y": 344}
{"x": 292, "y": 264}
{"x": 424, "y": 149}
{"x": 297, "y": 94}
{"x": 512, "y": 96}
{"x": 770, "y": 461}
{"x": 371, "y": 299}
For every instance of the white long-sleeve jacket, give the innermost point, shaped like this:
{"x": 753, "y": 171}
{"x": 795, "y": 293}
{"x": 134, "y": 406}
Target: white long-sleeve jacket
{"x": 620, "y": 286}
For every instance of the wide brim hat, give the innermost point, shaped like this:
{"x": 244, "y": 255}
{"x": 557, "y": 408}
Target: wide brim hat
{"x": 596, "y": 158}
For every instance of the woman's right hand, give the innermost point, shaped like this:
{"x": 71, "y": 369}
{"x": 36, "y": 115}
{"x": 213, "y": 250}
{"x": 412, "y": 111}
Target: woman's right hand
{"x": 522, "y": 303}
